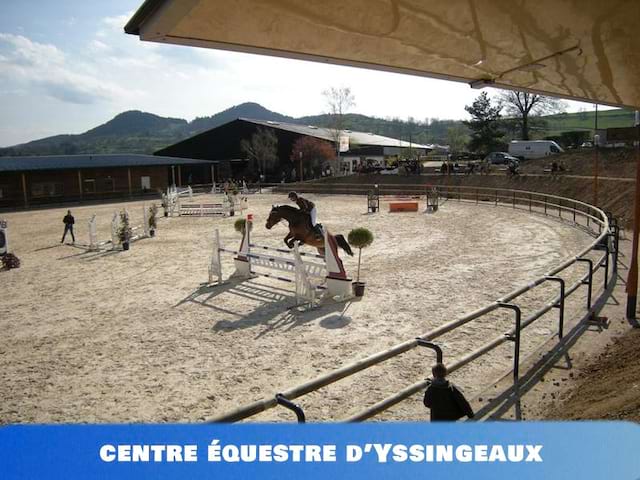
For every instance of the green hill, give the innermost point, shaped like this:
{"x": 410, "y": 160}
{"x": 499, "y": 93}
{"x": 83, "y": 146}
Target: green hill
{"x": 142, "y": 132}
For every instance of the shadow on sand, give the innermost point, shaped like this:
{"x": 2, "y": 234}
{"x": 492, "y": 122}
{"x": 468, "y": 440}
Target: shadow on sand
{"x": 277, "y": 309}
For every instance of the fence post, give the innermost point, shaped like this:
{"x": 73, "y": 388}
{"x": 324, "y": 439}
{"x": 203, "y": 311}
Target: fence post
{"x": 286, "y": 403}
{"x": 589, "y": 279}
{"x": 496, "y": 198}
{"x": 514, "y": 199}
{"x": 560, "y": 208}
{"x": 477, "y": 199}
{"x": 516, "y": 339}
{"x": 530, "y": 195}
{"x": 545, "y": 204}
{"x": 424, "y": 343}
{"x": 560, "y": 304}
{"x": 606, "y": 263}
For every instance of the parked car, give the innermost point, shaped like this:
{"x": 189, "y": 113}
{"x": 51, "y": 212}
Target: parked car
{"x": 500, "y": 158}
{"x": 587, "y": 145}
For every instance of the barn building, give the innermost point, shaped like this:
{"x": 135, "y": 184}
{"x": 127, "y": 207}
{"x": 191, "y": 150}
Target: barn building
{"x": 221, "y": 145}
{"x": 31, "y": 181}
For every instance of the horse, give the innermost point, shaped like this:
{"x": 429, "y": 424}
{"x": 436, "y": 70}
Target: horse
{"x": 300, "y": 229}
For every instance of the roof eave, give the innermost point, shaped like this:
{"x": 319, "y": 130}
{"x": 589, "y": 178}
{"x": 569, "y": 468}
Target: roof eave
{"x": 146, "y": 10}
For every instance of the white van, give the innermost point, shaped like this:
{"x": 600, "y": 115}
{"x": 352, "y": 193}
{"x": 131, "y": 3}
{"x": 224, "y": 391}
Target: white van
{"x": 526, "y": 149}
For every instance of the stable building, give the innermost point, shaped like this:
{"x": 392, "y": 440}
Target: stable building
{"x": 221, "y": 146}
{"x": 27, "y": 181}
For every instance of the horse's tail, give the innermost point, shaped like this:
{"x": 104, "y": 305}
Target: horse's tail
{"x": 343, "y": 244}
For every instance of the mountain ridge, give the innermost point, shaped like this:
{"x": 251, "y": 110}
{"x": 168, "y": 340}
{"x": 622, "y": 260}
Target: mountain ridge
{"x": 134, "y": 131}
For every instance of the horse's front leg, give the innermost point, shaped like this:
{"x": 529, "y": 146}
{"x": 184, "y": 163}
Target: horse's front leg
{"x": 289, "y": 240}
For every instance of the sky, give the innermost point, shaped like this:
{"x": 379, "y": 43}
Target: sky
{"x": 67, "y": 66}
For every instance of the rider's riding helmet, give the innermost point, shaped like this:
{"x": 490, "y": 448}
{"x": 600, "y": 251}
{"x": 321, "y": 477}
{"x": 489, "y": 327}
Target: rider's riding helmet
{"x": 293, "y": 195}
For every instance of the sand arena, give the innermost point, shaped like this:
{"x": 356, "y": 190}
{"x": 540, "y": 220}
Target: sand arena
{"x": 136, "y": 337}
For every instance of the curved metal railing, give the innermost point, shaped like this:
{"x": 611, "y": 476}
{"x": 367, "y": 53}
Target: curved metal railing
{"x": 605, "y": 238}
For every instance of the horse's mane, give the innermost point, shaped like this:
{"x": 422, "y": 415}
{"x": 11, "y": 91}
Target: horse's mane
{"x": 286, "y": 207}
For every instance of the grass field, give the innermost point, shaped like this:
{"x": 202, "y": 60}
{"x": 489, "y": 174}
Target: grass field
{"x": 565, "y": 122}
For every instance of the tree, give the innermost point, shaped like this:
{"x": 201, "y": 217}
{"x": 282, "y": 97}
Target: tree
{"x": 313, "y": 153}
{"x": 484, "y": 125}
{"x": 457, "y": 138}
{"x": 523, "y": 105}
{"x": 262, "y": 148}
{"x": 338, "y": 101}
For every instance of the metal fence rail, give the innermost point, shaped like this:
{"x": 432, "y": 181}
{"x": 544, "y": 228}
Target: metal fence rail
{"x": 606, "y": 238}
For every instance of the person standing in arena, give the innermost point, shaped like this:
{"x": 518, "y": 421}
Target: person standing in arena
{"x": 68, "y": 221}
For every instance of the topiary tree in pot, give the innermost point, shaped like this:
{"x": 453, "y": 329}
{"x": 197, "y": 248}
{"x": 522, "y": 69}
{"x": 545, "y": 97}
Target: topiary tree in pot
{"x": 359, "y": 238}
{"x": 9, "y": 261}
{"x": 239, "y": 225}
{"x": 124, "y": 231}
{"x": 153, "y": 219}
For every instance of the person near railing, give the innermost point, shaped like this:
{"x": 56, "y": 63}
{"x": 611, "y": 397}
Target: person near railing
{"x": 444, "y": 399}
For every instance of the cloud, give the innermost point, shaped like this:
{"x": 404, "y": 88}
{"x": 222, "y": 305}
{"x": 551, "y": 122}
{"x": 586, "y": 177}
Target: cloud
{"x": 117, "y": 22}
{"x": 45, "y": 68}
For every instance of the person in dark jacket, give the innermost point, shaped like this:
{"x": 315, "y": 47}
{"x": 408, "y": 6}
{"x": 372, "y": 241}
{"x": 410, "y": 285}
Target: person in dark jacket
{"x": 68, "y": 221}
{"x": 446, "y": 402}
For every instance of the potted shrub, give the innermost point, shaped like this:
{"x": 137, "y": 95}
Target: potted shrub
{"x": 239, "y": 225}
{"x": 359, "y": 238}
{"x": 9, "y": 261}
{"x": 124, "y": 231}
{"x": 153, "y": 222}
{"x": 165, "y": 204}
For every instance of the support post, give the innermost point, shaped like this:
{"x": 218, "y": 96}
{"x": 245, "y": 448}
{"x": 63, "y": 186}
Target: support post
{"x": 286, "y": 403}
{"x": 80, "y": 183}
{"x": 589, "y": 279}
{"x": 560, "y": 304}
{"x": 436, "y": 348}
{"x": 24, "y": 190}
{"x": 516, "y": 339}
{"x": 632, "y": 278}
{"x": 130, "y": 184}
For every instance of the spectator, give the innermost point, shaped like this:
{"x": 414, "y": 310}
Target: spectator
{"x": 68, "y": 221}
{"x": 444, "y": 399}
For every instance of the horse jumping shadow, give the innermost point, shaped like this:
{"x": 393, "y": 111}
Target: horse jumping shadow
{"x": 277, "y": 309}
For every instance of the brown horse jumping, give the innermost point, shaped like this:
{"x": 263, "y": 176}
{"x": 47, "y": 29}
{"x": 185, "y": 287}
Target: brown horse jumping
{"x": 300, "y": 229}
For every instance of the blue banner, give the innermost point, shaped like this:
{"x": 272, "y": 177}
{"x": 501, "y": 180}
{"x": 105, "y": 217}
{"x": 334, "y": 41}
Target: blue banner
{"x": 518, "y": 451}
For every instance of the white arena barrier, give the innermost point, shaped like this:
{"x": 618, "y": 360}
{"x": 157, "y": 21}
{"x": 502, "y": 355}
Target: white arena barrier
{"x": 325, "y": 273}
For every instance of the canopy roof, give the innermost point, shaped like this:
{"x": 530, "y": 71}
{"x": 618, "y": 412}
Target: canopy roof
{"x": 580, "y": 49}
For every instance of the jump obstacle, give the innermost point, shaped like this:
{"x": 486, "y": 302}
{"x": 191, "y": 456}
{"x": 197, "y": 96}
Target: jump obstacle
{"x": 138, "y": 232}
{"x": 373, "y": 200}
{"x": 94, "y": 243}
{"x": 226, "y": 208}
{"x": 171, "y": 200}
{"x": 433, "y": 199}
{"x": 404, "y": 203}
{"x": 307, "y": 275}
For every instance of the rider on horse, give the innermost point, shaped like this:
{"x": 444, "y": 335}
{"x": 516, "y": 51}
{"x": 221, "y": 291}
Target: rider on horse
{"x": 308, "y": 207}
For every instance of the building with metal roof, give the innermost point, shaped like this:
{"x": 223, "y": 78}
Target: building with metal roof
{"x": 222, "y": 145}
{"x": 37, "y": 180}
